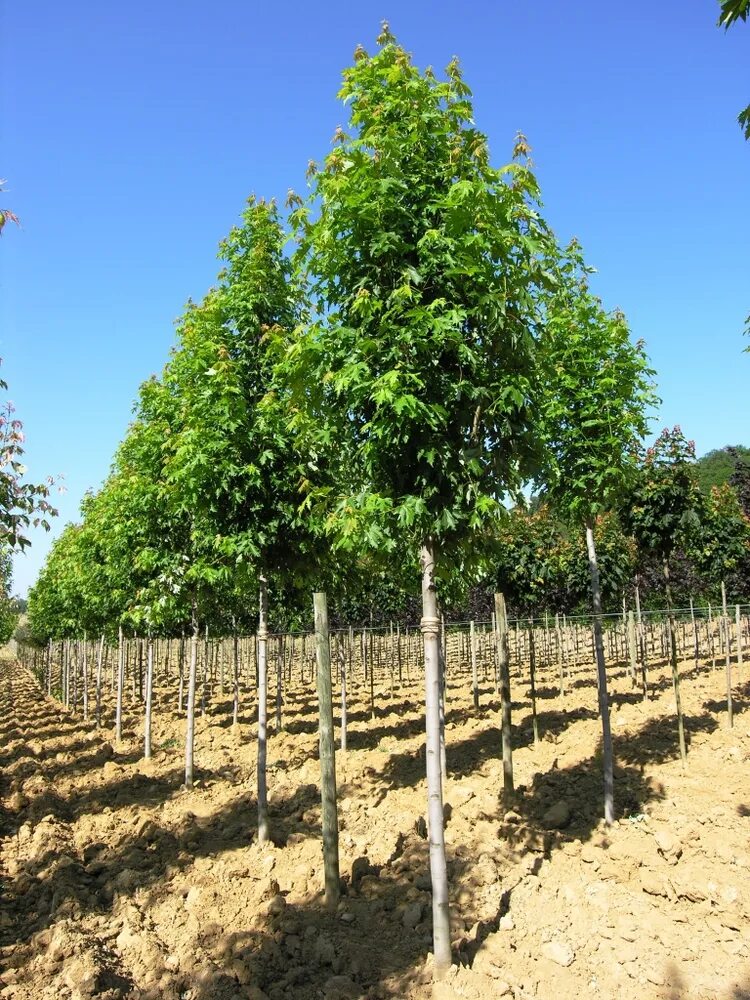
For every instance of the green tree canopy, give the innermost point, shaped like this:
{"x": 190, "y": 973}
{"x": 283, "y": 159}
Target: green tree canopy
{"x": 428, "y": 265}
{"x": 718, "y": 466}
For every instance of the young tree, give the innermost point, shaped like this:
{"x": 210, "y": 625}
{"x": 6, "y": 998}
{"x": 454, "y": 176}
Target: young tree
{"x": 427, "y": 266}
{"x": 663, "y": 513}
{"x": 232, "y": 466}
{"x": 721, "y": 547}
{"x": 531, "y": 560}
{"x": 597, "y": 395}
{"x": 722, "y": 542}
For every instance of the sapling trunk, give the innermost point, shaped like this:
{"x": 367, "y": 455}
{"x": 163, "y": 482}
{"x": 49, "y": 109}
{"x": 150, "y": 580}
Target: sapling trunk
{"x": 329, "y": 811}
{"x": 99, "y": 665}
{"x": 728, "y": 655}
{"x": 204, "y": 672}
{"x": 607, "y": 756}
{"x": 441, "y": 664}
{"x": 235, "y": 680}
{"x": 696, "y": 650}
{"x": 279, "y": 661}
{"x": 181, "y": 673}
{"x": 190, "y": 718}
{"x": 85, "y": 680}
{"x": 371, "y": 658}
{"x": 140, "y": 672}
{"x": 632, "y": 648}
{"x": 532, "y": 678}
{"x": 149, "y": 698}
{"x": 398, "y": 655}
{"x": 673, "y": 662}
{"x": 503, "y": 673}
{"x": 262, "y": 709}
{"x": 120, "y": 685}
{"x": 438, "y": 868}
{"x": 342, "y": 669}
{"x": 474, "y": 680}
{"x": 738, "y": 629}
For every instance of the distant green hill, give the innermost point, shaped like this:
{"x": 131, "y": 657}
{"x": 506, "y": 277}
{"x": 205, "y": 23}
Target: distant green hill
{"x": 717, "y": 466}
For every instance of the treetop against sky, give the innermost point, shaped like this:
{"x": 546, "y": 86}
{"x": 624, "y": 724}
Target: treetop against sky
{"x": 131, "y": 145}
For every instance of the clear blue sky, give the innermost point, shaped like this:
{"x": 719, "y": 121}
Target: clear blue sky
{"x": 132, "y": 134}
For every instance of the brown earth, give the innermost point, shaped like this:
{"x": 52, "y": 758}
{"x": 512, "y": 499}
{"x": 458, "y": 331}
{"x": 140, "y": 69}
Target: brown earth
{"x": 118, "y": 883}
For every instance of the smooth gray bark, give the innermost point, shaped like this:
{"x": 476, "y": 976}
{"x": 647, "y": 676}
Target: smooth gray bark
{"x": 438, "y": 868}
{"x": 474, "y": 679}
{"x": 728, "y": 655}
{"x": 190, "y": 716}
{"x": 235, "y": 679}
{"x": 149, "y": 699}
{"x": 85, "y": 680}
{"x": 263, "y": 833}
{"x": 279, "y": 663}
{"x": 329, "y": 810}
{"x": 503, "y": 673}
{"x": 120, "y": 686}
{"x": 738, "y": 630}
{"x": 532, "y": 678}
{"x": 673, "y": 662}
{"x": 342, "y": 669}
{"x": 607, "y": 755}
{"x": 99, "y": 664}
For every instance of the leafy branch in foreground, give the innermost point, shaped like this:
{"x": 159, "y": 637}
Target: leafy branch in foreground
{"x": 23, "y": 505}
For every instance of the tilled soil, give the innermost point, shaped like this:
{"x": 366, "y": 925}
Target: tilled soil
{"x": 116, "y": 882}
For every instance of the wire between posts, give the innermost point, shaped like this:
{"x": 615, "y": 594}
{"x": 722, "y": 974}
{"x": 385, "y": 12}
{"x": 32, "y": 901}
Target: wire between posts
{"x": 429, "y": 626}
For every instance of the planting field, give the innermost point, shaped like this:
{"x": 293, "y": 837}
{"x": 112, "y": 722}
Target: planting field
{"x": 116, "y": 882}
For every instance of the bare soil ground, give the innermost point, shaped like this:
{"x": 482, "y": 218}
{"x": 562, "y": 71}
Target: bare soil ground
{"x": 118, "y": 883}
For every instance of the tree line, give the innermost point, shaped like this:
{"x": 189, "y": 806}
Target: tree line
{"x": 360, "y": 405}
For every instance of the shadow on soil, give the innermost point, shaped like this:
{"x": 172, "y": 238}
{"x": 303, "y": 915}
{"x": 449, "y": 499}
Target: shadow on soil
{"x": 281, "y": 950}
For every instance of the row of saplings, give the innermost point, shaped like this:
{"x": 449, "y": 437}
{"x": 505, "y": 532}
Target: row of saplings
{"x": 635, "y": 641}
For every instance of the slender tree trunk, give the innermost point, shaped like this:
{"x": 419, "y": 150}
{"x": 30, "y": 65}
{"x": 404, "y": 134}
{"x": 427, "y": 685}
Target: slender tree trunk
{"x": 204, "y": 672}
{"x": 633, "y": 653}
{"x": 532, "y": 678}
{"x": 85, "y": 680}
{"x": 673, "y": 661}
{"x": 438, "y": 868}
{"x": 235, "y": 678}
{"x": 149, "y": 698}
{"x": 696, "y": 649}
{"x": 190, "y": 715}
{"x": 99, "y": 664}
{"x": 342, "y": 669}
{"x": 279, "y": 662}
{"x": 560, "y": 655}
{"x": 441, "y": 666}
{"x": 263, "y": 833}
{"x": 329, "y": 811}
{"x": 398, "y": 656}
{"x": 140, "y": 672}
{"x": 120, "y": 686}
{"x": 607, "y": 756}
{"x": 503, "y": 671}
{"x": 728, "y": 655}
{"x": 181, "y": 674}
{"x": 738, "y": 630}
{"x": 371, "y": 658}
{"x": 474, "y": 679}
